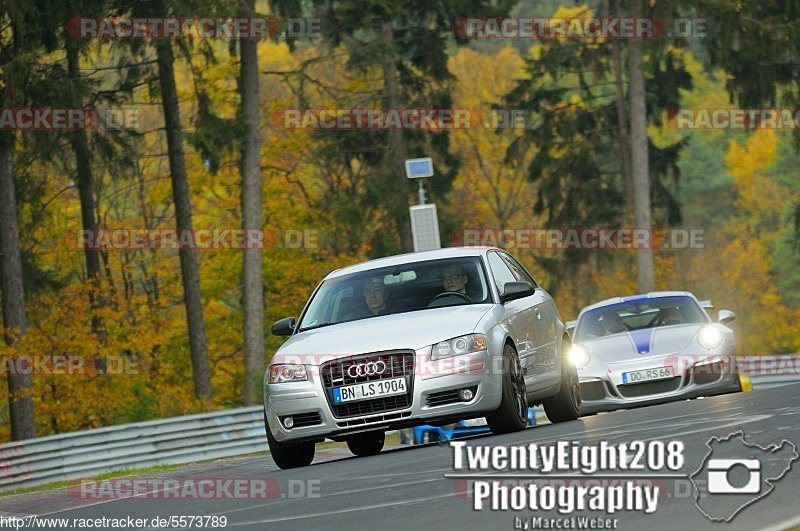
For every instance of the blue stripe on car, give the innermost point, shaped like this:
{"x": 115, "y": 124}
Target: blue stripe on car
{"x": 642, "y": 339}
{"x": 634, "y": 298}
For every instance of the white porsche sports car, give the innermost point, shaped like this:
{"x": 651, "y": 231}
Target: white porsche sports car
{"x": 646, "y": 349}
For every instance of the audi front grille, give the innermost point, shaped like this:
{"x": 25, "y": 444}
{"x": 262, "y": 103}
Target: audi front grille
{"x": 336, "y": 374}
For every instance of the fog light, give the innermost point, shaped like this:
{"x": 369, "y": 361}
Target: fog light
{"x": 288, "y": 422}
{"x": 465, "y": 395}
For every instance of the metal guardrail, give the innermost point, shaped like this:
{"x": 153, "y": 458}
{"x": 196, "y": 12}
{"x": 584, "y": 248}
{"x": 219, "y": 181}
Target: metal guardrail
{"x": 770, "y": 371}
{"x": 205, "y": 436}
{"x": 171, "y": 441}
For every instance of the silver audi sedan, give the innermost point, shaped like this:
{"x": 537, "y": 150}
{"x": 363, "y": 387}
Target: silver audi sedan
{"x": 652, "y": 348}
{"x": 425, "y": 338}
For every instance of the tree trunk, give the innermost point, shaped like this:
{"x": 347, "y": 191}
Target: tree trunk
{"x": 396, "y": 154}
{"x": 253, "y": 292}
{"x": 85, "y": 183}
{"x": 183, "y": 216}
{"x": 622, "y": 116}
{"x": 640, "y": 164}
{"x": 20, "y": 401}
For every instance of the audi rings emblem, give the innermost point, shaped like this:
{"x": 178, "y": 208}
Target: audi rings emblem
{"x": 370, "y": 368}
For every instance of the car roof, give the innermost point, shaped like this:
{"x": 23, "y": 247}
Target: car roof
{"x": 642, "y": 296}
{"x": 410, "y": 258}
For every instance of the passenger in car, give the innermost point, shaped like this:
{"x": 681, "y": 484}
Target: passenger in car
{"x": 454, "y": 279}
{"x": 368, "y": 301}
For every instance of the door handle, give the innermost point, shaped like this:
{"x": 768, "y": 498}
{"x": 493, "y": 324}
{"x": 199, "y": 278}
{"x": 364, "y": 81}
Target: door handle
{"x": 538, "y": 313}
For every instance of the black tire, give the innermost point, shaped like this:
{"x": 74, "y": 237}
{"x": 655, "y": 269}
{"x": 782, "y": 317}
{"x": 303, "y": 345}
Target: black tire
{"x": 288, "y": 455}
{"x": 365, "y": 444}
{"x": 512, "y": 415}
{"x": 566, "y": 405}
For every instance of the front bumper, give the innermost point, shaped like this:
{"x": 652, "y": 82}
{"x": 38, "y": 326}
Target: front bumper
{"x": 430, "y": 382}
{"x": 605, "y": 391}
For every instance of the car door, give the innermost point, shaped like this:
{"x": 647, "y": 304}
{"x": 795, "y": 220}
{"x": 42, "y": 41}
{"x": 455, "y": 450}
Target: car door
{"x": 547, "y": 327}
{"x": 522, "y": 320}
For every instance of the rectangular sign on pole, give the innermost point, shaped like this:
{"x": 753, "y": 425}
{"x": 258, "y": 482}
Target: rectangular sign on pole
{"x": 425, "y": 228}
{"x": 417, "y": 168}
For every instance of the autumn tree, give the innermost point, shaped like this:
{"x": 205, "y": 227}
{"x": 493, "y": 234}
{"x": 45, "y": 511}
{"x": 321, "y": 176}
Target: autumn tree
{"x": 757, "y": 44}
{"x": 173, "y": 128}
{"x": 569, "y": 95}
{"x": 13, "y": 65}
{"x": 404, "y": 45}
{"x": 253, "y": 288}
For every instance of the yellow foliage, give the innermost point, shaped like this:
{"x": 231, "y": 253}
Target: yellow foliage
{"x": 759, "y": 197}
{"x": 498, "y": 194}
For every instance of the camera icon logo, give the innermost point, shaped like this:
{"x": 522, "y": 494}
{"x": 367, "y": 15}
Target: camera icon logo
{"x": 736, "y": 473}
{"x": 718, "y": 482}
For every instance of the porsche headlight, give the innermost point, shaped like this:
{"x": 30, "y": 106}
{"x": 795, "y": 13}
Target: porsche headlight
{"x": 458, "y": 345}
{"x": 578, "y": 356}
{"x": 284, "y": 372}
{"x": 709, "y": 337}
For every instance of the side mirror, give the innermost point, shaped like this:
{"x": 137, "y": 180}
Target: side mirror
{"x": 516, "y": 290}
{"x": 725, "y": 316}
{"x": 284, "y": 327}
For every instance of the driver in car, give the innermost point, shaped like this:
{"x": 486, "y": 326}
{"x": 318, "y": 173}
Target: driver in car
{"x": 612, "y": 323}
{"x": 671, "y": 316}
{"x": 375, "y": 295}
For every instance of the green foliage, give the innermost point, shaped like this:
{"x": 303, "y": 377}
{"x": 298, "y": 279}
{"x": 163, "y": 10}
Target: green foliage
{"x": 570, "y": 103}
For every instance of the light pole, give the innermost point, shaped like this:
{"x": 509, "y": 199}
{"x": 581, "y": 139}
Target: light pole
{"x": 424, "y": 218}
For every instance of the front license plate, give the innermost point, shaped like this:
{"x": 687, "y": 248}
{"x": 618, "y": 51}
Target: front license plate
{"x": 647, "y": 375}
{"x": 369, "y": 390}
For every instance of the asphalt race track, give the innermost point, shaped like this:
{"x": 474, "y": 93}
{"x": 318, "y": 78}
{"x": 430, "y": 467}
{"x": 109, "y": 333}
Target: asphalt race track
{"x": 406, "y": 487}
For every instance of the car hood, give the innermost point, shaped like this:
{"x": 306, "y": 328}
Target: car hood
{"x": 645, "y": 342}
{"x": 412, "y": 330}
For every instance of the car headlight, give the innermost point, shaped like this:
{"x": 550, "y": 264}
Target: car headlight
{"x": 281, "y": 373}
{"x": 458, "y": 345}
{"x": 709, "y": 337}
{"x": 578, "y": 356}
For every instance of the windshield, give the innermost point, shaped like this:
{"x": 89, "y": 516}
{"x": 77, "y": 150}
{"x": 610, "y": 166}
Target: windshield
{"x": 638, "y": 314}
{"x": 397, "y": 289}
